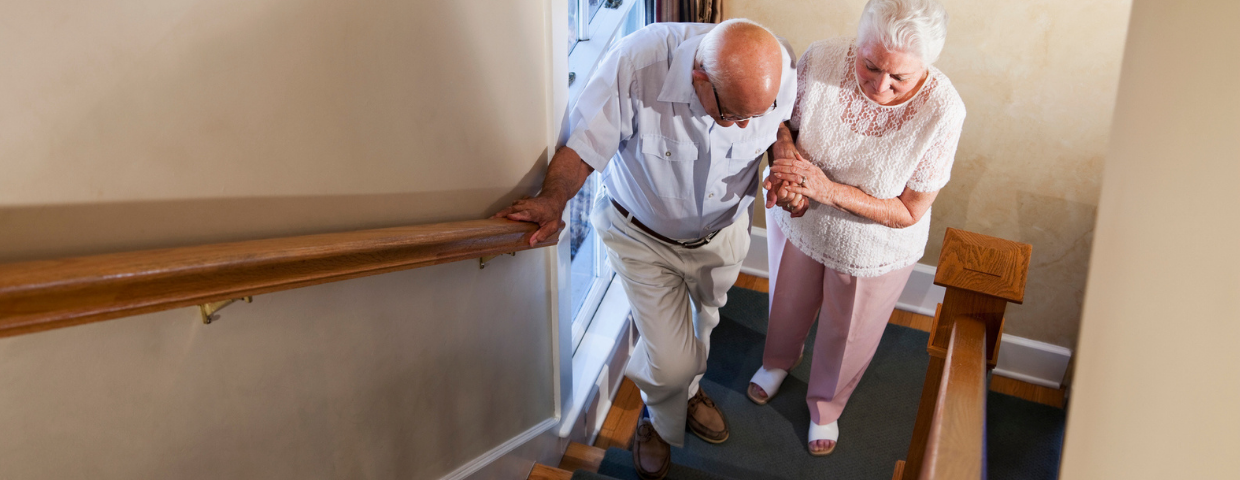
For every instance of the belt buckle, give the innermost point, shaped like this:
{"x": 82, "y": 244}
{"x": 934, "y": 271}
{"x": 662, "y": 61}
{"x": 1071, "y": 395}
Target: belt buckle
{"x": 701, "y": 241}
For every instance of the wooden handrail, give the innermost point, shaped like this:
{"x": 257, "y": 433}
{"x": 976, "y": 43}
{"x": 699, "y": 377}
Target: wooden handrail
{"x": 48, "y": 294}
{"x": 982, "y": 274}
{"x": 958, "y": 427}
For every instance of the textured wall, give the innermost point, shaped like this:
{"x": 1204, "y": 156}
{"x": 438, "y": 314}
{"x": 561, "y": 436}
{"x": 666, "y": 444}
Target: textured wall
{"x": 147, "y": 123}
{"x": 1160, "y": 326}
{"x": 1038, "y": 79}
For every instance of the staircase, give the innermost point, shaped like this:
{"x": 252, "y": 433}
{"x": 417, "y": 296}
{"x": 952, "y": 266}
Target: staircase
{"x": 610, "y": 458}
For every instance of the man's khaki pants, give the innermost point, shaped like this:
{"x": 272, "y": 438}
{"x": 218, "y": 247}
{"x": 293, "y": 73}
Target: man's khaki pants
{"x": 675, "y": 293}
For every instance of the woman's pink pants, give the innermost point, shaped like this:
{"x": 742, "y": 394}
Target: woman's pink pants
{"x": 855, "y": 311}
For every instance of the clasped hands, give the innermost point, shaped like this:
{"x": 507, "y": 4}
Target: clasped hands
{"x": 794, "y": 181}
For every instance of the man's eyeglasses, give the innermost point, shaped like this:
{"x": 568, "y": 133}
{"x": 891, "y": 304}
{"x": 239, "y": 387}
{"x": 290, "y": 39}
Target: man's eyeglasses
{"x": 737, "y": 118}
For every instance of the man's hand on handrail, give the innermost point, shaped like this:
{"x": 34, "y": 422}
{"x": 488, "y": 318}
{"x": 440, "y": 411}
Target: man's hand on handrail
{"x": 545, "y": 212}
{"x": 565, "y": 176}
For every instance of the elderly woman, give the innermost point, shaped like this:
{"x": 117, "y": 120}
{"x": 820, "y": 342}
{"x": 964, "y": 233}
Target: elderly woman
{"x": 869, "y": 145}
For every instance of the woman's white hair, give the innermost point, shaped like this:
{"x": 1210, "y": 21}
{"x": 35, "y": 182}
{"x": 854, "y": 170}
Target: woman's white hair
{"x": 918, "y": 27}
{"x": 708, "y": 56}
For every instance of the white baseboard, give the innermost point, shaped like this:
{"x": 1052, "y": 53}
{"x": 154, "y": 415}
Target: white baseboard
{"x": 1019, "y": 358}
{"x": 514, "y": 458}
{"x": 920, "y": 294}
{"x": 1032, "y": 361}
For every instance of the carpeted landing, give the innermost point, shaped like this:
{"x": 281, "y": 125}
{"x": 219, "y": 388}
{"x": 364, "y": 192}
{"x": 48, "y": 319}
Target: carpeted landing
{"x": 769, "y": 442}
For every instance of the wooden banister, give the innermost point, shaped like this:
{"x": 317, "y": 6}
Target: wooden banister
{"x": 982, "y": 274}
{"x": 43, "y": 295}
{"x": 958, "y": 427}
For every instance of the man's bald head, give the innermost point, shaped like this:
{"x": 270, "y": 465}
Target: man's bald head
{"x": 742, "y": 60}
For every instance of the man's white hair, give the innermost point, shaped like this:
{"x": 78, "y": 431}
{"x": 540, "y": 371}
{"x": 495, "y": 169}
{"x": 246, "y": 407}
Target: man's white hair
{"x": 707, "y": 54}
{"x": 918, "y": 27}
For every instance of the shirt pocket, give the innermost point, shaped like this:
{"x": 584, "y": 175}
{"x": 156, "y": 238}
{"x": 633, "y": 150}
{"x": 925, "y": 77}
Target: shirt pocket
{"x": 669, "y": 165}
{"x": 747, "y": 150}
{"x": 743, "y": 158}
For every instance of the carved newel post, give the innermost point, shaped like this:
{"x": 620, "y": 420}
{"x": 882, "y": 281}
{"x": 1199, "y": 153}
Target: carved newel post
{"x": 982, "y": 274}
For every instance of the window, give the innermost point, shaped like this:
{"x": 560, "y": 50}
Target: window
{"x": 573, "y": 6}
{"x": 578, "y": 25}
{"x": 590, "y": 271}
{"x": 592, "y": 309}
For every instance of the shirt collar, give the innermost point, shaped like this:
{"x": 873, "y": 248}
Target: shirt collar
{"x": 678, "y": 85}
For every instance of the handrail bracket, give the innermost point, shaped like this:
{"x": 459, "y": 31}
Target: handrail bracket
{"x": 207, "y": 310}
{"x": 482, "y": 261}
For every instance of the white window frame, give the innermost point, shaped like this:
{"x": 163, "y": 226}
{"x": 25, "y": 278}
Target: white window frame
{"x": 607, "y": 25}
{"x": 600, "y": 328}
{"x": 585, "y": 317}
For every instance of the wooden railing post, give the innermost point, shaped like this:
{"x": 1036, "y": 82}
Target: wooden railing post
{"x": 981, "y": 274}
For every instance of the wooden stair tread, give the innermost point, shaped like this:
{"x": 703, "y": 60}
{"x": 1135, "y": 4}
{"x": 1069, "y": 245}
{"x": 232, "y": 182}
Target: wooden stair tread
{"x": 580, "y": 456}
{"x": 621, "y": 421}
{"x": 1027, "y": 391}
{"x": 543, "y": 472}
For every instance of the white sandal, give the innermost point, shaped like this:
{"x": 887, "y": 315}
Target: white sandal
{"x": 830, "y": 431}
{"x": 769, "y": 381}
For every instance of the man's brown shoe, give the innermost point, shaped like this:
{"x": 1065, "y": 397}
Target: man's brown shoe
{"x": 705, "y": 419}
{"x": 652, "y": 457}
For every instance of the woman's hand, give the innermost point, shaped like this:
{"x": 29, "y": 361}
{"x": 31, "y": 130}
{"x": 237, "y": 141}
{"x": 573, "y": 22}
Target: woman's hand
{"x": 795, "y": 204}
{"x": 804, "y": 178}
{"x": 778, "y": 194}
{"x": 799, "y": 176}
{"x": 785, "y": 147}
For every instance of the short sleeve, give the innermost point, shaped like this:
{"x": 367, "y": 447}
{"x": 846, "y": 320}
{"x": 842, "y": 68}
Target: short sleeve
{"x": 802, "y": 80}
{"x": 935, "y": 167}
{"x": 603, "y": 115}
{"x": 788, "y": 79}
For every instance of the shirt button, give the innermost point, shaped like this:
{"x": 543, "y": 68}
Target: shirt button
{"x": 758, "y": 151}
{"x": 710, "y": 196}
{"x": 667, "y": 153}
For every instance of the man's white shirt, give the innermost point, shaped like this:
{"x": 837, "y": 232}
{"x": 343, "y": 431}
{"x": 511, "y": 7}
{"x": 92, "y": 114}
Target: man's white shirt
{"x": 640, "y": 123}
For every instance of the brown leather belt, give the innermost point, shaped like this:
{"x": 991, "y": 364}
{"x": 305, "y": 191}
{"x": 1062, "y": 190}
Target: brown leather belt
{"x": 637, "y": 223}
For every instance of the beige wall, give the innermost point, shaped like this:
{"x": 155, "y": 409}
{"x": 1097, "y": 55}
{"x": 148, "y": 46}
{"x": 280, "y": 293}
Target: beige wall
{"x": 1038, "y": 79}
{"x": 146, "y": 123}
{"x": 1158, "y": 371}
{"x": 153, "y": 123}
{"x": 404, "y": 375}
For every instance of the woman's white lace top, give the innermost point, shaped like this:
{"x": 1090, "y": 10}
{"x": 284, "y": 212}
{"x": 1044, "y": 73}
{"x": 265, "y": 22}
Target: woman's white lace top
{"x": 875, "y": 148}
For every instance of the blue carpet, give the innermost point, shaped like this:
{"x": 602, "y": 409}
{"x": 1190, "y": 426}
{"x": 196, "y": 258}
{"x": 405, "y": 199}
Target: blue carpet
{"x": 1024, "y": 438}
{"x": 768, "y": 442}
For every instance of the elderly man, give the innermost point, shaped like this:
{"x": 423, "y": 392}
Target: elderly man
{"x": 676, "y": 117}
